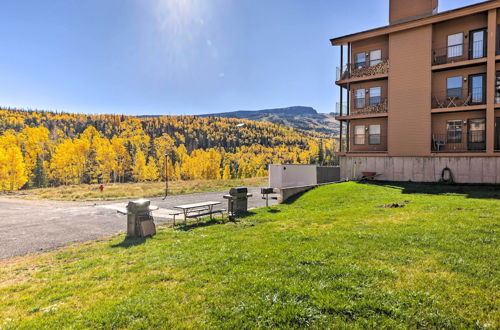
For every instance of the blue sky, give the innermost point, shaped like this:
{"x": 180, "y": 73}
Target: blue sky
{"x": 177, "y": 56}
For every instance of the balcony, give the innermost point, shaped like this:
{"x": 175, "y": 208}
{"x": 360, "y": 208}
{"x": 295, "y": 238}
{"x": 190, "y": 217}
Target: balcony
{"x": 459, "y": 53}
{"x": 459, "y": 97}
{"x": 363, "y": 69}
{"x": 370, "y": 105}
{"x": 473, "y": 141}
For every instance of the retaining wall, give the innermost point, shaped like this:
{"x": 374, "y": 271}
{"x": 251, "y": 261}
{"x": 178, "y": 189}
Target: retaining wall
{"x": 423, "y": 169}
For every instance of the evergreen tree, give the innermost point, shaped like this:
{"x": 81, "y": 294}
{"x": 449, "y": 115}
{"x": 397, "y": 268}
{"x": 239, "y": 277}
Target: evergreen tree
{"x": 40, "y": 179}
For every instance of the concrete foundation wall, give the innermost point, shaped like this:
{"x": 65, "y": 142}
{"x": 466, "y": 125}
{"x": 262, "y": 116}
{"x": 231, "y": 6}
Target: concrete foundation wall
{"x": 423, "y": 169}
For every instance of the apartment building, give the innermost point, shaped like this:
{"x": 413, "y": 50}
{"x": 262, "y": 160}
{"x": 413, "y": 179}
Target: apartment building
{"x": 422, "y": 94}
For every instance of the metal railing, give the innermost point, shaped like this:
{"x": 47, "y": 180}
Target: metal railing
{"x": 362, "y": 69}
{"x": 458, "y": 97}
{"x": 457, "y": 141}
{"x": 341, "y": 109}
{"x": 458, "y": 52}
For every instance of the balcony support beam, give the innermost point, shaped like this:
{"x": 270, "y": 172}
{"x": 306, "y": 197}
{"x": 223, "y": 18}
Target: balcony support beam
{"x": 490, "y": 81}
{"x": 348, "y": 125}
{"x": 341, "y": 95}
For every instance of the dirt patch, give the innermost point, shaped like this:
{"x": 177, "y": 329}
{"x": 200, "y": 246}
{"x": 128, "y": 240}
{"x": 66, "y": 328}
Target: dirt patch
{"x": 394, "y": 205}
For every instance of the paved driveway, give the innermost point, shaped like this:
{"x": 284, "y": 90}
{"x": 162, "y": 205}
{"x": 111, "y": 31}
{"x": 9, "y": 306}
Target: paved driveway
{"x": 31, "y": 226}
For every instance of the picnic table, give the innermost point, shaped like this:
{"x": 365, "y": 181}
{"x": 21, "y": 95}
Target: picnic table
{"x": 203, "y": 209}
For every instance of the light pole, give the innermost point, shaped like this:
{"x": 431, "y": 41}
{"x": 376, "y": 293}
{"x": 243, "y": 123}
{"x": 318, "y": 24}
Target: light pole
{"x": 166, "y": 175}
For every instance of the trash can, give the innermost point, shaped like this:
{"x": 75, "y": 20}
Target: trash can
{"x": 237, "y": 201}
{"x": 140, "y": 222}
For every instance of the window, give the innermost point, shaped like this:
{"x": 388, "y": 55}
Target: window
{"x": 374, "y": 134}
{"x": 476, "y": 88}
{"x": 498, "y": 39}
{"x": 375, "y": 57}
{"x": 360, "y": 60}
{"x": 454, "y": 131}
{"x": 477, "y": 44}
{"x": 477, "y": 130}
{"x": 359, "y": 134}
{"x": 359, "y": 98}
{"x": 375, "y": 95}
{"x": 454, "y": 87}
{"x": 497, "y": 89}
{"x": 455, "y": 45}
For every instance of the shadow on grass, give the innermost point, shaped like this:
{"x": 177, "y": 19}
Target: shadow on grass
{"x": 130, "y": 242}
{"x": 470, "y": 191}
{"x": 294, "y": 198}
{"x": 191, "y": 225}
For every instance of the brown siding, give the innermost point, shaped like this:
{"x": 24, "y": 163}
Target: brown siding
{"x": 410, "y": 92}
{"x": 365, "y": 46}
{"x": 439, "y": 79}
{"x": 367, "y": 147}
{"x": 367, "y": 85}
{"x": 441, "y": 31}
{"x": 440, "y": 120}
{"x": 401, "y": 10}
{"x": 439, "y": 126}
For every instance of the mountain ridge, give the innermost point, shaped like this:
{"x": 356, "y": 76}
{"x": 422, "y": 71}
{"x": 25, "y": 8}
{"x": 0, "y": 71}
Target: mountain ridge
{"x": 299, "y": 117}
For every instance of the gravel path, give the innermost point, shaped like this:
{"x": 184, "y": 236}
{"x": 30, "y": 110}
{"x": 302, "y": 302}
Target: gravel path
{"x": 31, "y": 226}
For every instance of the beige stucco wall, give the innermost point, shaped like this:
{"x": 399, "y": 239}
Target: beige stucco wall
{"x": 423, "y": 169}
{"x": 409, "y": 125}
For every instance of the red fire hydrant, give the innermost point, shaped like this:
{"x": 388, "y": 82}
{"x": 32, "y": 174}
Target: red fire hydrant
{"x": 101, "y": 188}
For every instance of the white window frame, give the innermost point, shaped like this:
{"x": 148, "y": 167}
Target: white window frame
{"x": 356, "y": 98}
{"x": 372, "y": 92}
{"x": 461, "y": 79}
{"x": 375, "y": 57}
{"x": 371, "y": 133}
{"x": 359, "y": 134}
{"x": 360, "y": 64}
{"x": 455, "y": 45}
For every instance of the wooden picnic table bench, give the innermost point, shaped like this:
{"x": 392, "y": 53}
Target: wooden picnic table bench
{"x": 203, "y": 209}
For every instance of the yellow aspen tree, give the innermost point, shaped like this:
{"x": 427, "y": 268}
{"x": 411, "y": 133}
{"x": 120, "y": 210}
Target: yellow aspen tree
{"x": 139, "y": 168}
{"x": 12, "y": 168}
{"x": 226, "y": 175}
{"x": 152, "y": 173}
{"x": 34, "y": 141}
{"x": 123, "y": 160}
{"x": 63, "y": 166}
{"x": 106, "y": 159}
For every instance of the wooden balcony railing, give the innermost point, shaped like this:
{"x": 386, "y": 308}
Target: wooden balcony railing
{"x": 363, "y": 69}
{"x": 370, "y": 105}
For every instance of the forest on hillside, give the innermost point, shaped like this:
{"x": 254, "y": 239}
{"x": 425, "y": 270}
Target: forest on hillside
{"x": 41, "y": 148}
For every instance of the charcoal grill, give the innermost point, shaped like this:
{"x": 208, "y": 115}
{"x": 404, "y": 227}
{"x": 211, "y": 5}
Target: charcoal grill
{"x": 237, "y": 201}
{"x": 140, "y": 222}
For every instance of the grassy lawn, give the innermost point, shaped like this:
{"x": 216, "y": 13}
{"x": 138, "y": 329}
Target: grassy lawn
{"x": 114, "y": 191}
{"x": 333, "y": 258}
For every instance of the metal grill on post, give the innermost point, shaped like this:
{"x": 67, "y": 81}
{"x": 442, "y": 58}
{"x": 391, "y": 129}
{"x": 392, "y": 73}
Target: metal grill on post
{"x": 237, "y": 201}
{"x": 140, "y": 221}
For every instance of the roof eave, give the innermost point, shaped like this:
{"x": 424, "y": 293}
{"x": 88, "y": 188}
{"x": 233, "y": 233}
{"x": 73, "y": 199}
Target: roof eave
{"x": 446, "y": 15}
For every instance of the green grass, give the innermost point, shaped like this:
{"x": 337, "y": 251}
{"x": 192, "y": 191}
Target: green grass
{"x": 333, "y": 258}
{"x": 115, "y": 191}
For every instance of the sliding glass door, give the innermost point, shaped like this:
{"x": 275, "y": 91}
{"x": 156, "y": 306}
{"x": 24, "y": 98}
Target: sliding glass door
{"x": 477, "y": 44}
